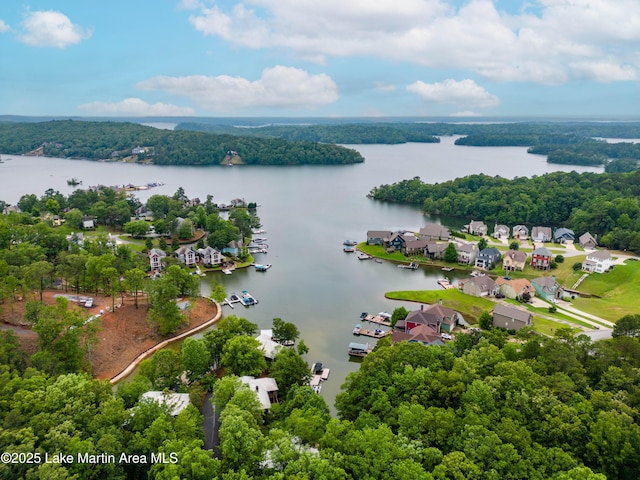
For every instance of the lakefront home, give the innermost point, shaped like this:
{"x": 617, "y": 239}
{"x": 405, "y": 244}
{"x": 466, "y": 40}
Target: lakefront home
{"x": 415, "y": 247}
{"x": 210, "y": 256}
{"x": 598, "y": 261}
{"x": 479, "y": 286}
{"x": 467, "y": 253}
{"x": 186, "y": 255}
{"x": 488, "y": 258}
{"x": 514, "y": 260}
{"x": 442, "y": 319}
{"x": 233, "y": 248}
{"x": 434, "y": 231}
{"x": 424, "y": 334}
{"x": 378, "y": 237}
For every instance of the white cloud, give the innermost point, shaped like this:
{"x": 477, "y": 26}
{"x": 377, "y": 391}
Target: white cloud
{"x": 466, "y": 113}
{"x": 51, "y": 29}
{"x": 135, "y": 107}
{"x": 548, "y": 41}
{"x": 465, "y": 93}
{"x": 4, "y": 27}
{"x": 278, "y": 87}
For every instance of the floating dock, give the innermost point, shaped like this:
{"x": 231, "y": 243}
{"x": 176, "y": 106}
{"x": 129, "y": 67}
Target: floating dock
{"x": 411, "y": 266}
{"x": 359, "y": 349}
{"x": 381, "y": 319}
{"x": 377, "y": 333}
{"x": 444, "y": 283}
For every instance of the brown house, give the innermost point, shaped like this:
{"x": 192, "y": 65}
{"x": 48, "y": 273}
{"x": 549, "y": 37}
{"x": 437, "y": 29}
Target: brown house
{"x": 511, "y": 318}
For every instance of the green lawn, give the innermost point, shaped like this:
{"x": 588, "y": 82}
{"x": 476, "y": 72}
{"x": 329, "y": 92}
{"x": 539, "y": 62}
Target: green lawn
{"x": 619, "y": 292}
{"x": 470, "y": 307}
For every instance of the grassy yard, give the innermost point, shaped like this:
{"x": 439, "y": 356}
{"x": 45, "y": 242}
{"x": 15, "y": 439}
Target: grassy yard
{"x": 470, "y": 307}
{"x": 619, "y": 292}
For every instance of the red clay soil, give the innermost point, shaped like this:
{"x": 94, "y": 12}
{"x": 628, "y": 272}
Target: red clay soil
{"x": 123, "y": 334}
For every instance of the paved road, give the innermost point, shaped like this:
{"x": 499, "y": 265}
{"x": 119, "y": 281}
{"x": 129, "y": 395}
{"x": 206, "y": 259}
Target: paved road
{"x": 210, "y": 426}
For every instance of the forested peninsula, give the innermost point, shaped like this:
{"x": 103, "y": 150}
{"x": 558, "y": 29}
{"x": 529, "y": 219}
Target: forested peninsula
{"x": 118, "y": 141}
{"x": 606, "y": 204}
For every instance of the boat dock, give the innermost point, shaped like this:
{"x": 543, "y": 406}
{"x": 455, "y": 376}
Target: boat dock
{"x": 359, "y": 349}
{"x": 411, "y": 266}
{"x": 247, "y": 300}
{"x": 377, "y": 333}
{"x": 381, "y": 319}
{"x": 444, "y": 283}
{"x": 363, "y": 256}
{"x": 319, "y": 374}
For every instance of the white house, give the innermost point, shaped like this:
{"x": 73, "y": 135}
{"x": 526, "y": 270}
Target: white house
{"x": 598, "y": 261}
{"x": 187, "y": 255}
{"x": 155, "y": 258}
{"x": 210, "y": 256}
{"x": 266, "y": 389}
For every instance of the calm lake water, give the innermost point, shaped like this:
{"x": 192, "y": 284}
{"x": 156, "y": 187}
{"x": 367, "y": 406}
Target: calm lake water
{"x": 307, "y": 211}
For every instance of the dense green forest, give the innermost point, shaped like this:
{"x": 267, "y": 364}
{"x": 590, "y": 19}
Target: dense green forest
{"x": 604, "y": 204}
{"x": 116, "y": 140}
{"x": 382, "y": 133}
{"x": 560, "y": 408}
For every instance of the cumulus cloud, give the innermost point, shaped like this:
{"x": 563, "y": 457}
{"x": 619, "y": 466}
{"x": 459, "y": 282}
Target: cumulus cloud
{"x": 278, "y": 87}
{"x": 465, "y": 93}
{"x": 3, "y": 26}
{"x": 135, "y": 107}
{"x": 548, "y": 41}
{"x": 51, "y": 29}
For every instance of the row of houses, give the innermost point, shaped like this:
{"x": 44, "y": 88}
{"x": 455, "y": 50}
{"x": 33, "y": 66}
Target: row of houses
{"x": 545, "y": 287}
{"x": 189, "y": 256}
{"x": 538, "y": 234}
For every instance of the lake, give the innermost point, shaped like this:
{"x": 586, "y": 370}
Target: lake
{"x": 307, "y": 211}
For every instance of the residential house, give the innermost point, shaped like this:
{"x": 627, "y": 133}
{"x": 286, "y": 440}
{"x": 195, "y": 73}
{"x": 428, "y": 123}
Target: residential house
{"x": 187, "y": 255}
{"x": 138, "y": 150}
{"x": 563, "y": 235}
{"x": 441, "y": 319}
{"x": 514, "y": 260}
{"x": 266, "y": 390}
{"x": 541, "y": 234}
{"x": 515, "y": 288}
{"x": 210, "y": 256}
{"x": 435, "y": 250}
{"x": 155, "y": 258}
{"x": 424, "y": 334}
{"x": 476, "y": 228}
{"x": 587, "y": 241}
{"x": 398, "y": 241}
{"x": 268, "y": 345}
{"x": 520, "y": 232}
{"x": 11, "y": 209}
{"x": 598, "y": 261}
{"x": 378, "y": 237}
{"x": 233, "y": 248}
{"x": 88, "y": 223}
{"x": 467, "y": 253}
{"x": 415, "y": 247}
{"x": 175, "y": 402}
{"x": 541, "y": 258}
{"x": 511, "y": 318}
{"x": 500, "y": 232}
{"x": 479, "y": 286}
{"x": 547, "y": 287}
{"x": 488, "y": 258}
{"x": 434, "y": 231}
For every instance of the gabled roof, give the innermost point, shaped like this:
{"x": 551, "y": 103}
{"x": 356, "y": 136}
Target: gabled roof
{"x": 440, "y": 311}
{"x": 422, "y": 317}
{"x": 563, "y": 232}
{"x": 512, "y": 312}
{"x": 587, "y": 237}
{"x": 157, "y": 252}
{"x": 483, "y": 282}
{"x": 545, "y": 282}
{"x": 600, "y": 255}
{"x": 176, "y": 402}
{"x": 516, "y": 255}
{"x": 410, "y": 244}
{"x": 379, "y": 233}
{"x": 267, "y": 345}
{"x": 520, "y": 228}
{"x": 489, "y": 252}
{"x": 434, "y": 230}
{"x": 542, "y": 251}
{"x": 467, "y": 247}
{"x": 518, "y": 284}
{"x": 420, "y": 333}
{"x": 262, "y": 387}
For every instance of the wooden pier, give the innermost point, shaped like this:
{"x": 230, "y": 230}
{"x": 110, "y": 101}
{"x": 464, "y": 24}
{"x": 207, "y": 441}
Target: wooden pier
{"x": 373, "y": 333}
{"x": 379, "y": 319}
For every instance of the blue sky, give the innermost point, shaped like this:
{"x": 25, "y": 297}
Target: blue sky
{"x": 320, "y": 58}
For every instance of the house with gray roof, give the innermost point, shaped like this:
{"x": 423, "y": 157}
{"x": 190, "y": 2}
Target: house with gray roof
{"x": 541, "y": 234}
{"x": 488, "y": 258}
{"x": 500, "y": 232}
{"x": 479, "y": 286}
{"x": 587, "y": 241}
{"x": 415, "y": 247}
{"x": 378, "y": 237}
{"x": 266, "y": 389}
{"x": 598, "y": 261}
{"x": 514, "y": 260}
{"x": 434, "y": 231}
{"x": 520, "y": 232}
{"x": 476, "y": 228}
{"x": 563, "y": 235}
{"x": 187, "y": 255}
{"x": 541, "y": 258}
{"x": 467, "y": 253}
{"x": 547, "y": 287}
{"x": 511, "y": 318}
